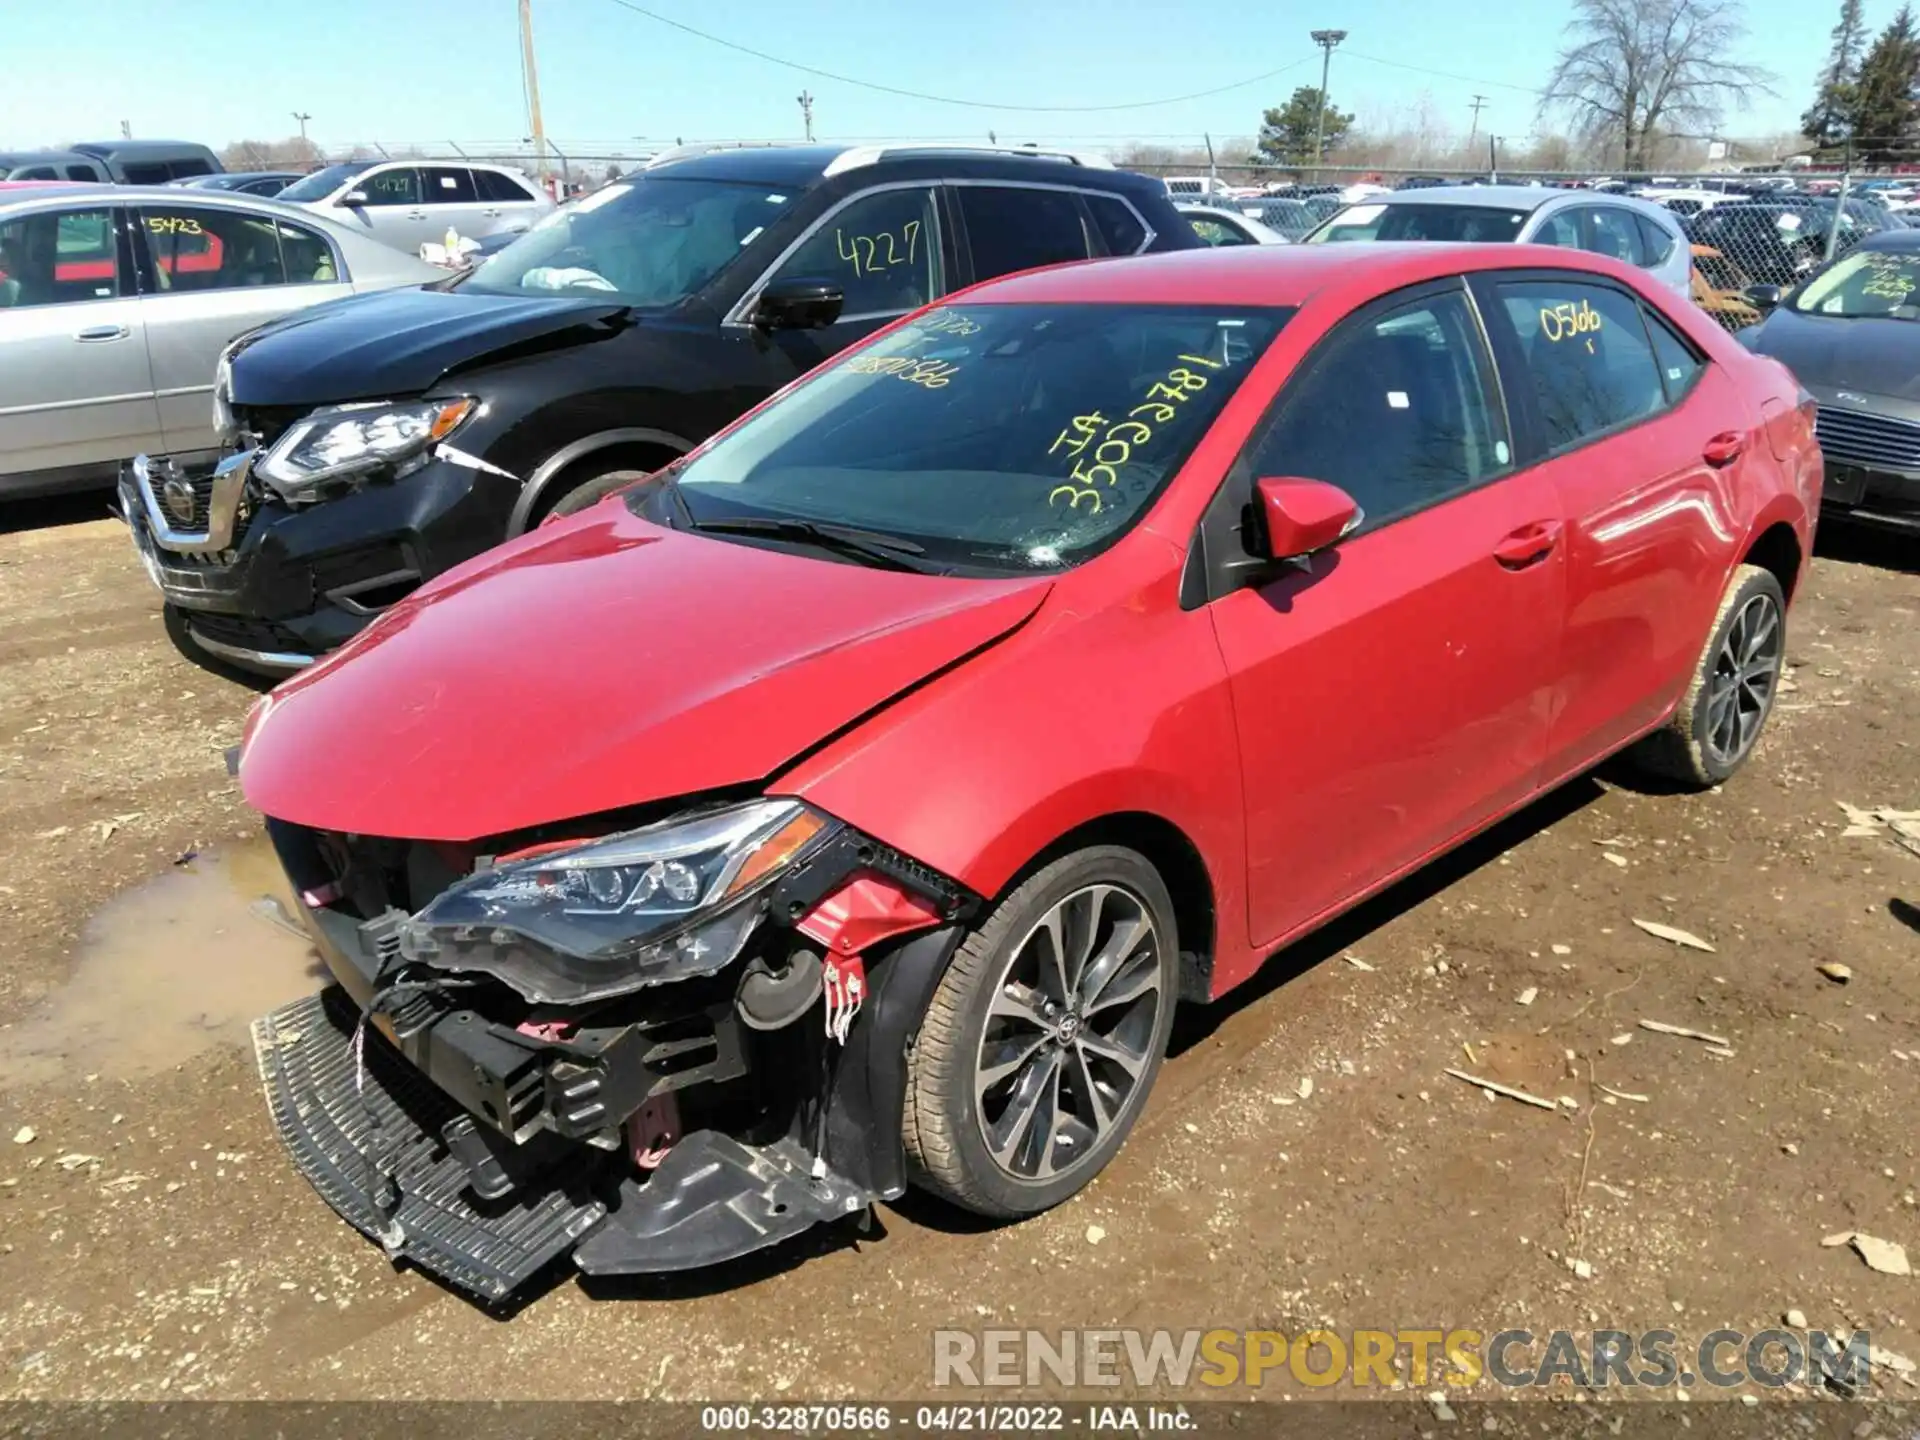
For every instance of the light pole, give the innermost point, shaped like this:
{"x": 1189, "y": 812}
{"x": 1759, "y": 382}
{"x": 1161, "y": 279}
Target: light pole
{"x": 306, "y": 152}
{"x": 806, "y": 112}
{"x": 1326, "y": 40}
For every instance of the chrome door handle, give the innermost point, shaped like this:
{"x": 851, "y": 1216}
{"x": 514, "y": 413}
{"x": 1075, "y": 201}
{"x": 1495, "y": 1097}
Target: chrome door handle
{"x": 416, "y": 214}
{"x": 491, "y": 214}
{"x": 103, "y": 332}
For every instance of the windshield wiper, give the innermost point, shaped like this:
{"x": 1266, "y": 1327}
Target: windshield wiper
{"x": 883, "y": 551}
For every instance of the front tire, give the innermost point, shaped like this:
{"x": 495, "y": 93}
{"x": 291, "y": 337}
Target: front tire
{"x": 1043, "y": 1039}
{"x": 592, "y": 491}
{"x": 1718, "y": 721}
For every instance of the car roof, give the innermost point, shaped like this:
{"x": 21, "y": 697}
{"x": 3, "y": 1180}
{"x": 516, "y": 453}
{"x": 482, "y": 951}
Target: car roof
{"x": 1262, "y": 275}
{"x": 49, "y": 191}
{"x": 1892, "y": 240}
{"x": 1511, "y": 197}
{"x": 802, "y": 166}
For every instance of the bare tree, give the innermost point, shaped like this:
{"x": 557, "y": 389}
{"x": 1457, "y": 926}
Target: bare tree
{"x": 1636, "y": 71}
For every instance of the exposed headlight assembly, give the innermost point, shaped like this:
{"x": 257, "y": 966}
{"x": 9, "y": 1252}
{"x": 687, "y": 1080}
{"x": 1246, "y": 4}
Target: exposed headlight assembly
{"x": 224, "y": 425}
{"x": 346, "y": 440}
{"x": 668, "y": 902}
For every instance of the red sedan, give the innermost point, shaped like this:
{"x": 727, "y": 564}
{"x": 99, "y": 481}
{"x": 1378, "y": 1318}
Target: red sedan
{"x": 851, "y": 803}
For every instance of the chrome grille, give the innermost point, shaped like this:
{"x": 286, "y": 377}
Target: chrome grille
{"x": 1877, "y": 442}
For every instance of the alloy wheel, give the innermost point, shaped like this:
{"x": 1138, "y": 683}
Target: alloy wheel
{"x": 1746, "y": 673}
{"x": 1069, "y": 1034}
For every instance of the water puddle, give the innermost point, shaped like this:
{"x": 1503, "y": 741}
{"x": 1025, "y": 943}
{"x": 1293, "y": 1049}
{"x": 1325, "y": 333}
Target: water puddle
{"x": 168, "y": 970}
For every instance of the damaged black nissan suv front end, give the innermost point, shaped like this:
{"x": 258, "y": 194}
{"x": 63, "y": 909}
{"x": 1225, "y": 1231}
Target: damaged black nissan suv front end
{"x": 637, "y": 1049}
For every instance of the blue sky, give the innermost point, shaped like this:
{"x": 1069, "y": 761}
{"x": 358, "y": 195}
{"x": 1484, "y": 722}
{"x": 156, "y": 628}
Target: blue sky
{"x": 412, "y": 71}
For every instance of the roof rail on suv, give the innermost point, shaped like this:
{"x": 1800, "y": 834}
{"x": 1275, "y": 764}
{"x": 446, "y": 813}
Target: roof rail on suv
{"x": 707, "y": 147}
{"x": 859, "y": 155}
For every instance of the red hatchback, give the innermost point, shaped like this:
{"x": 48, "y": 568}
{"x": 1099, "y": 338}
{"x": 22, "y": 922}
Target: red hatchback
{"x": 850, "y": 804}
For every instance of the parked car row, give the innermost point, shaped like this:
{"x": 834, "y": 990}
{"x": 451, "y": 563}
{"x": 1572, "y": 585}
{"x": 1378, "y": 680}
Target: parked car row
{"x": 378, "y": 443}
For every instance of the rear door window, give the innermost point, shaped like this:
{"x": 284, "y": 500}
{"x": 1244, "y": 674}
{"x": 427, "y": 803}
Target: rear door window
{"x": 1613, "y": 231}
{"x": 191, "y": 248}
{"x": 1017, "y": 228}
{"x": 1121, "y": 229}
{"x": 449, "y": 185}
{"x": 498, "y": 189}
{"x": 1561, "y": 228}
{"x": 1588, "y": 362}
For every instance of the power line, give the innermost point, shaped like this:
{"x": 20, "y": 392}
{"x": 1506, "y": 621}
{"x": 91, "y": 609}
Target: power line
{"x": 1445, "y": 74}
{"x": 946, "y": 99}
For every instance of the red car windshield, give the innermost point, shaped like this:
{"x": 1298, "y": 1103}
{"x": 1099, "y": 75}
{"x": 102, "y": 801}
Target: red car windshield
{"x": 1005, "y": 436}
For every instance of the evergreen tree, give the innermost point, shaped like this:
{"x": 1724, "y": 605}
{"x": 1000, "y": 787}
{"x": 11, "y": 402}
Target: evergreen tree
{"x": 1883, "y": 110}
{"x": 1286, "y": 133}
{"x": 1826, "y": 122}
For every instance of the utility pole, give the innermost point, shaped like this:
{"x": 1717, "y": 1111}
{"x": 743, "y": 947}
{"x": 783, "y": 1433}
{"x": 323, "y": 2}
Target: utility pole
{"x": 306, "y": 151}
{"x": 1326, "y": 40}
{"x": 806, "y": 112}
{"x": 532, "y": 76}
{"x": 1474, "y": 129}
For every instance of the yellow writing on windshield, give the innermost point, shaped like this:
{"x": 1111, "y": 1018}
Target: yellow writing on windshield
{"x": 873, "y": 254}
{"x": 1568, "y": 321}
{"x": 933, "y": 374}
{"x": 946, "y": 322}
{"x": 1117, "y": 444}
{"x": 1888, "y": 281}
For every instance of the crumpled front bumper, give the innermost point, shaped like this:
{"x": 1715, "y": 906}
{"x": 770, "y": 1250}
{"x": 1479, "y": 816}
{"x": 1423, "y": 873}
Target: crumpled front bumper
{"x": 270, "y": 587}
{"x": 483, "y": 1144}
{"x": 343, "y": 1136}
{"x": 379, "y": 1153}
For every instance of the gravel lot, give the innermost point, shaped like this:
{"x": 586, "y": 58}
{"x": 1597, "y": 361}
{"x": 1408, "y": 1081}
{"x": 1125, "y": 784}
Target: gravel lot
{"x": 155, "y": 1242}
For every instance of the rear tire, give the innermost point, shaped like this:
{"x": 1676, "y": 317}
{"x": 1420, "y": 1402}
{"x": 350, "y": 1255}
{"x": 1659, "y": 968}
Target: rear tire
{"x": 1029, "y": 1070}
{"x": 1718, "y": 721}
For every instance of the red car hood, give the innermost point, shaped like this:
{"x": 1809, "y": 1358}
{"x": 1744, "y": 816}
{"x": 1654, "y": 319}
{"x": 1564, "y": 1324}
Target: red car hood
{"x": 599, "y": 663}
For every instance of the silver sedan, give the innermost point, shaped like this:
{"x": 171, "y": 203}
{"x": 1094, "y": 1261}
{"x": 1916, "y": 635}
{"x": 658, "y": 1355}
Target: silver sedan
{"x": 116, "y": 301}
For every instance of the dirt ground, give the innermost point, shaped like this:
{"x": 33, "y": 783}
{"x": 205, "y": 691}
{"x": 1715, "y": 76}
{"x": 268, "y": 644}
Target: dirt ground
{"x": 154, "y": 1241}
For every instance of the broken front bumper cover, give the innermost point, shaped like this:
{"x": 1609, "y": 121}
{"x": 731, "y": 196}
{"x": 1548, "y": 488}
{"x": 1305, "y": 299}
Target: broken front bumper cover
{"x": 380, "y": 1153}
{"x": 483, "y": 1145}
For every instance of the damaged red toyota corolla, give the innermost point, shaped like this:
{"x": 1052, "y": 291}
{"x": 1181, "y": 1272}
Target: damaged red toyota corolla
{"x": 849, "y": 805}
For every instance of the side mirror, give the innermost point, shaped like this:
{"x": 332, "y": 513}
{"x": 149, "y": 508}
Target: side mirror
{"x": 1303, "y": 516}
{"x": 353, "y": 197}
{"x": 1763, "y": 297}
{"x": 798, "y": 303}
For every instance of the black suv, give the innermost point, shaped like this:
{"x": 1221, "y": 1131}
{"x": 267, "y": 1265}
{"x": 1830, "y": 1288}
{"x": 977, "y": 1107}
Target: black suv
{"x": 383, "y": 439}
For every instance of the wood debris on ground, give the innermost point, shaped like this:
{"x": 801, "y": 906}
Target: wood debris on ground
{"x": 1494, "y": 1087}
{"x": 1878, "y": 822}
{"x": 1674, "y": 935}
{"x": 1660, "y": 1027}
